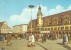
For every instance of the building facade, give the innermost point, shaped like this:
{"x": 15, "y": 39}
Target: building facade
{"x": 57, "y": 22}
{"x": 20, "y": 28}
{"x": 24, "y": 28}
{"x": 16, "y": 29}
{"x": 4, "y": 28}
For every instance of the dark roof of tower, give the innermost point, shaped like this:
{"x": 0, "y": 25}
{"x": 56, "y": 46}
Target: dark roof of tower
{"x": 39, "y": 8}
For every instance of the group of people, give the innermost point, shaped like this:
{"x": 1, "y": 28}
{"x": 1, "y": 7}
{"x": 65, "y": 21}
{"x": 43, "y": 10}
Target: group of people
{"x": 66, "y": 36}
{"x": 50, "y": 36}
{"x": 34, "y": 37}
{"x": 6, "y": 38}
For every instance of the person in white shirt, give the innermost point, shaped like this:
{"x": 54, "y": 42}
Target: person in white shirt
{"x": 33, "y": 40}
{"x": 29, "y": 40}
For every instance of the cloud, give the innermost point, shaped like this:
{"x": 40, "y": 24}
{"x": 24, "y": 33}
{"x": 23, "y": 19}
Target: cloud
{"x": 24, "y": 16}
{"x": 57, "y": 9}
{"x": 69, "y": 8}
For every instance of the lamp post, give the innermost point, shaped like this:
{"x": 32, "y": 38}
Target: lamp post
{"x": 31, "y": 6}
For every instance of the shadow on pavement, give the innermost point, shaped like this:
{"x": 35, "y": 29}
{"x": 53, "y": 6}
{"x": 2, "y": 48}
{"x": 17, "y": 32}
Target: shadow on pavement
{"x": 42, "y": 46}
{"x": 60, "y": 43}
{"x": 64, "y": 46}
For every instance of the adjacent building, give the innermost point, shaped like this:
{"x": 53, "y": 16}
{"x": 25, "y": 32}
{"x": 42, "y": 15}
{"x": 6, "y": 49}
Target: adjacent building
{"x": 4, "y": 28}
{"x": 24, "y": 28}
{"x": 20, "y": 28}
{"x": 16, "y": 29}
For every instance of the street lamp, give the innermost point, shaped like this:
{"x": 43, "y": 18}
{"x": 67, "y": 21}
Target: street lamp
{"x": 31, "y": 6}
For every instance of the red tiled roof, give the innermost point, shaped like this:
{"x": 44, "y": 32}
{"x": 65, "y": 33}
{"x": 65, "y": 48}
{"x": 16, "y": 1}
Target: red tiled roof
{"x": 57, "y": 16}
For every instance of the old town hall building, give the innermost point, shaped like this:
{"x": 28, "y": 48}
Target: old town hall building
{"x": 57, "y": 22}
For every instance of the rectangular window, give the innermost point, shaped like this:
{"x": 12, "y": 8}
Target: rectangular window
{"x": 46, "y": 29}
{"x": 66, "y": 28}
{"x": 51, "y": 28}
{"x": 58, "y": 28}
{"x": 55, "y": 28}
{"x": 42, "y": 29}
{"x": 70, "y": 27}
{"x": 62, "y": 28}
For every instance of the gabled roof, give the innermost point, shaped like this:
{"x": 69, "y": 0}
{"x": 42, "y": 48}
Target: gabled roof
{"x": 57, "y": 17}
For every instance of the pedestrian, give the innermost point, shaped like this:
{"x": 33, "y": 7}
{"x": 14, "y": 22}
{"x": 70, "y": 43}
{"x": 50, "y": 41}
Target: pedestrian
{"x": 3, "y": 38}
{"x": 29, "y": 40}
{"x": 33, "y": 40}
{"x": 45, "y": 37}
{"x": 36, "y": 37}
{"x": 42, "y": 38}
{"x": 8, "y": 38}
{"x": 65, "y": 39}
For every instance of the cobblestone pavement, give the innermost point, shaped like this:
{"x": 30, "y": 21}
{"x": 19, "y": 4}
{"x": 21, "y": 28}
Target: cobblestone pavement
{"x": 22, "y": 45}
{"x": 53, "y": 45}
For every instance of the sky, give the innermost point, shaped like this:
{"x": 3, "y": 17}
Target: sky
{"x": 16, "y": 12}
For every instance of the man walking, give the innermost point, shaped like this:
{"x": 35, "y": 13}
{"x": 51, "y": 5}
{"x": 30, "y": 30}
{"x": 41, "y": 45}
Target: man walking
{"x": 33, "y": 40}
{"x": 29, "y": 40}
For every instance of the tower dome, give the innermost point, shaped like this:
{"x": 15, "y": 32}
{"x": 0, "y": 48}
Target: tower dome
{"x": 39, "y": 8}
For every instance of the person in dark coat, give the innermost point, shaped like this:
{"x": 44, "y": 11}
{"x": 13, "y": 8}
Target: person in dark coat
{"x": 8, "y": 38}
{"x": 65, "y": 39}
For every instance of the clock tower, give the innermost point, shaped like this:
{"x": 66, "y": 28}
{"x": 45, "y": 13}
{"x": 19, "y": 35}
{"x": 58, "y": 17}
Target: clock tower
{"x": 39, "y": 18}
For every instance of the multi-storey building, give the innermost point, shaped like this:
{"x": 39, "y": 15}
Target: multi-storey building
{"x": 23, "y": 28}
{"x": 16, "y": 29}
{"x": 57, "y": 22}
{"x": 4, "y": 28}
{"x": 20, "y": 28}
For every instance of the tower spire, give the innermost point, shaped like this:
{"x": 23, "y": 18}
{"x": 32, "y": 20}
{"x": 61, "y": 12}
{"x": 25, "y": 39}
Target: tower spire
{"x": 39, "y": 8}
{"x": 39, "y": 18}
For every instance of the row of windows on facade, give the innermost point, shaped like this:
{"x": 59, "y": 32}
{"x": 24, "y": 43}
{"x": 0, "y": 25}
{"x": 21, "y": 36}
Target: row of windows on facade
{"x": 58, "y": 28}
{"x": 57, "y": 22}
{"x": 4, "y": 31}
